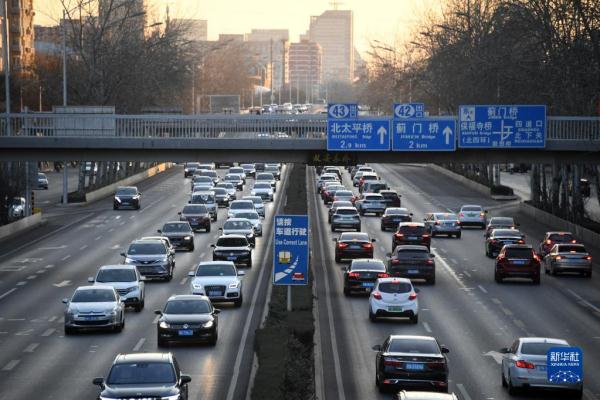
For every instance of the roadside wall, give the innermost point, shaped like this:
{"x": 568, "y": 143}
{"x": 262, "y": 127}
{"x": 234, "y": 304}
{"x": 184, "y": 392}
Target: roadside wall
{"x": 21, "y": 225}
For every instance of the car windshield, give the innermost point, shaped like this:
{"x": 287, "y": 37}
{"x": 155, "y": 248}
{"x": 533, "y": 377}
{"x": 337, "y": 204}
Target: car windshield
{"x": 141, "y": 373}
{"x": 187, "y": 307}
{"x": 506, "y": 233}
{"x": 195, "y": 209}
{"x": 354, "y": 236}
{"x": 215, "y": 270}
{"x": 241, "y": 205}
{"x": 116, "y": 275}
{"x": 446, "y": 217}
{"x": 220, "y": 191}
{"x": 519, "y": 252}
{"x": 566, "y": 248}
{"x": 176, "y": 227}
{"x": 233, "y": 241}
{"x": 395, "y": 287}
{"x": 126, "y": 192}
{"x": 471, "y": 209}
{"x": 377, "y": 186}
{"x": 232, "y": 178}
{"x": 212, "y": 174}
{"x": 146, "y": 249}
{"x": 262, "y": 185}
{"x": 539, "y": 349}
{"x": 248, "y": 166}
{"x": 389, "y": 195}
{"x": 504, "y": 221}
{"x": 372, "y": 266}
{"x": 192, "y": 165}
{"x": 42, "y": 176}
{"x": 93, "y": 296}
{"x": 412, "y": 254}
{"x": 346, "y": 211}
{"x": 255, "y": 200}
{"x": 226, "y": 185}
{"x": 236, "y": 170}
{"x": 414, "y": 346}
{"x": 416, "y": 230}
{"x": 343, "y": 193}
{"x": 237, "y": 225}
{"x": 203, "y": 198}
{"x": 248, "y": 215}
{"x": 396, "y": 211}
{"x": 561, "y": 237}
{"x": 202, "y": 179}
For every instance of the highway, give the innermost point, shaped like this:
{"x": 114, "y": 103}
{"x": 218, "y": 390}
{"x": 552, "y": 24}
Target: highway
{"x": 465, "y": 310}
{"x": 41, "y": 268}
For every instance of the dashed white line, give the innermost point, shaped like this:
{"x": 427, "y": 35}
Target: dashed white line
{"x": 53, "y": 318}
{"x": 11, "y": 364}
{"x": 463, "y": 391}
{"x": 506, "y": 311}
{"x": 453, "y": 261}
{"x": 31, "y": 277}
{"x": 31, "y": 348}
{"x": 584, "y": 301}
{"x": 467, "y": 273}
{"x": 49, "y": 331}
{"x": 98, "y": 237}
{"x": 49, "y": 266}
{"x": 202, "y": 255}
{"x": 21, "y": 283}
{"x": 156, "y": 320}
{"x": 66, "y": 257}
{"x": 589, "y": 395}
{"x": 427, "y": 327}
{"x": 83, "y": 247}
{"x": 139, "y": 344}
{"x": 482, "y": 289}
{"x": 41, "y": 271}
{"x": 183, "y": 281}
{"x": 7, "y": 293}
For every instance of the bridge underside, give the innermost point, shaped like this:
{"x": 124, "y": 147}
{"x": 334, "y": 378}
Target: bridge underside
{"x": 17, "y": 148}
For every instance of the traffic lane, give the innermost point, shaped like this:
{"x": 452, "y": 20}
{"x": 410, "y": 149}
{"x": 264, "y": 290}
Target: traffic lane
{"x": 46, "y": 199}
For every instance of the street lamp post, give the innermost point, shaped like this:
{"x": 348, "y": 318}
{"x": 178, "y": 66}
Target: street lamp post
{"x": 6, "y": 64}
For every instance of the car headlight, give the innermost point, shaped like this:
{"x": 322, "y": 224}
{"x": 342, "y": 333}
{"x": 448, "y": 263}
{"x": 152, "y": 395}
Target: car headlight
{"x": 137, "y": 196}
{"x": 132, "y": 289}
{"x": 208, "y": 324}
{"x": 129, "y": 260}
{"x": 164, "y": 259}
{"x": 173, "y": 397}
{"x": 117, "y": 199}
{"x": 187, "y": 238}
{"x": 164, "y": 325}
{"x": 234, "y": 285}
{"x": 253, "y": 193}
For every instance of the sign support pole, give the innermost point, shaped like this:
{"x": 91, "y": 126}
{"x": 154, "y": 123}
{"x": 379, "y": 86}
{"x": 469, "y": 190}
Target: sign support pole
{"x": 289, "y": 298}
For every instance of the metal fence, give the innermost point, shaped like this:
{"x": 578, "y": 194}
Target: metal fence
{"x": 223, "y": 126}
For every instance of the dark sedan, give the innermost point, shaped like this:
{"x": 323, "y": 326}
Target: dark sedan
{"x": 351, "y": 245}
{"x": 197, "y": 216}
{"x": 234, "y": 248}
{"x": 180, "y": 234}
{"x": 414, "y": 262}
{"x": 221, "y": 196}
{"x": 127, "y": 196}
{"x": 500, "y": 223}
{"x": 517, "y": 261}
{"x": 391, "y": 198}
{"x": 499, "y": 237}
{"x": 187, "y": 318}
{"x": 362, "y": 274}
{"x": 393, "y": 216}
{"x": 411, "y": 233}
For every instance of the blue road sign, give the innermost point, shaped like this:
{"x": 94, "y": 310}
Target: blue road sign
{"x": 564, "y": 365}
{"x": 290, "y": 250}
{"x": 358, "y": 134}
{"x": 342, "y": 110}
{"x": 409, "y": 110}
{"x": 424, "y": 134}
{"x": 502, "y": 126}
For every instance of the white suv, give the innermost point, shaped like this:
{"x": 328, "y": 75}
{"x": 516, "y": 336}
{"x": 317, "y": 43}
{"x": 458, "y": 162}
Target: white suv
{"x": 220, "y": 281}
{"x": 394, "y": 297}
{"x": 126, "y": 280}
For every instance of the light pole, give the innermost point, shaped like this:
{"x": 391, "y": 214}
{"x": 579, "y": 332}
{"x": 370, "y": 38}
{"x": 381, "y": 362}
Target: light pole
{"x": 6, "y": 64}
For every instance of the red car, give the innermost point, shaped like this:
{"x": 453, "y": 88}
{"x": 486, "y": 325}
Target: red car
{"x": 351, "y": 245}
{"x": 552, "y": 238}
{"x": 517, "y": 261}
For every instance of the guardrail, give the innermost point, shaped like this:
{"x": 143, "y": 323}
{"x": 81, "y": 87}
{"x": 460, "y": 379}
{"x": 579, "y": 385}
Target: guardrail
{"x": 224, "y": 126}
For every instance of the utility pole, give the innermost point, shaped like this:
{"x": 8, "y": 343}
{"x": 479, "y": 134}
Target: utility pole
{"x": 6, "y": 64}
{"x": 271, "y": 65}
{"x": 65, "y": 196}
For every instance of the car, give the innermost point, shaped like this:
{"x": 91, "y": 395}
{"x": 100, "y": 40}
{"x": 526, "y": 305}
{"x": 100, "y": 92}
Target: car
{"x": 223, "y": 164}
{"x": 517, "y": 261}
{"x": 264, "y": 190}
{"x": 16, "y": 208}
{"x": 126, "y": 280}
{"x": 411, "y": 233}
{"x": 221, "y": 196}
{"x": 239, "y": 226}
{"x": 373, "y": 187}
{"x": 94, "y": 307}
{"x": 412, "y": 261}
{"x": 239, "y": 171}
{"x": 152, "y": 258}
{"x": 239, "y": 206}
{"x": 127, "y": 196}
{"x": 163, "y": 239}
{"x": 471, "y": 214}
{"x": 145, "y": 375}
{"x": 345, "y": 217}
{"x": 197, "y": 216}
{"x": 394, "y": 297}
{"x": 366, "y": 177}
{"x": 344, "y": 195}
{"x": 328, "y": 192}
{"x": 211, "y": 173}
{"x": 571, "y": 257}
{"x": 411, "y": 362}
{"x": 236, "y": 180}
{"x": 361, "y": 275}
{"x": 391, "y": 198}
{"x": 202, "y": 187}
{"x": 417, "y": 395}
{"x": 274, "y": 169}
{"x": 189, "y": 168}
{"x": 334, "y": 206}
{"x": 500, "y": 237}
{"x": 362, "y": 169}
{"x": 524, "y": 367}
{"x": 326, "y": 178}
{"x": 234, "y": 248}
{"x": 266, "y": 177}
{"x": 199, "y": 179}
{"x": 356, "y": 178}
{"x": 352, "y": 245}
{"x": 180, "y": 234}
{"x": 393, "y": 216}
{"x": 500, "y": 223}
{"x": 208, "y": 199}
{"x": 42, "y": 181}
{"x": 259, "y": 167}
{"x": 370, "y": 203}
{"x": 552, "y": 238}
{"x": 187, "y": 318}
{"x": 332, "y": 170}
{"x": 249, "y": 169}
{"x": 220, "y": 281}
{"x": 259, "y": 206}
{"x": 442, "y": 224}
{"x": 254, "y": 218}
{"x": 230, "y": 187}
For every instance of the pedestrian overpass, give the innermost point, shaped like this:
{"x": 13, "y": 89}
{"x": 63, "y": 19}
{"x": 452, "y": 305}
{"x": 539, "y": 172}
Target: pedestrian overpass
{"x": 262, "y": 138}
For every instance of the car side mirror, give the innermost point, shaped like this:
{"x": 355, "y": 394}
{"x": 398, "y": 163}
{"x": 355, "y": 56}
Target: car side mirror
{"x": 98, "y": 381}
{"x": 334, "y": 240}
{"x": 425, "y": 219}
{"x": 213, "y": 246}
{"x": 241, "y": 273}
{"x": 432, "y": 255}
{"x": 485, "y": 211}
{"x": 65, "y": 301}
{"x": 216, "y": 311}
{"x": 377, "y": 347}
{"x": 179, "y": 213}
{"x": 251, "y": 245}
{"x": 417, "y": 290}
{"x": 444, "y": 349}
{"x": 220, "y": 229}
{"x": 191, "y": 273}
{"x": 91, "y": 279}
{"x": 157, "y": 312}
{"x": 189, "y": 202}
{"x": 517, "y": 224}
{"x": 122, "y": 254}
{"x": 373, "y": 240}
{"x": 344, "y": 269}
{"x": 139, "y": 193}
{"x": 411, "y": 214}
{"x": 185, "y": 379}
{"x": 159, "y": 231}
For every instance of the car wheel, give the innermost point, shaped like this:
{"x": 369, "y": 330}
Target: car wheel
{"x": 414, "y": 319}
{"x": 512, "y": 390}
{"x": 250, "y": 264}
{"x": 346, "y": 291}
{"x": 213, "y": 339}
{"x": 487, "y": 252}
{"x": 119, "y": 328}
{"x": 552, "y": 270}
{"x": 482, "y": 226}
{"x": 161, "y": 343}
{"x": 138, "y": 307}
{"x": 191, "y": 248}
{"x": 362, "y": 213}
{"x": 358, "y": 229}
{"x": 382, "y": 228}
{"x": 70, "y": 331}
{"x": 170, "y": 276}
{"x": 497, "y": 277}
{"x": 372, "y": 316}
{"x": 458, "y": 235}
{"x": 207, "y": 230}
{"x": 431, "y": 280}
{"x": 238, "y": 302}
{"x": 115, "y": 207}
{"x": 338, "y": 259}
{"x": 587, "y": 274}
{"x": 504, "y": 384}
{"x": 214, "y": 219}
{"x": 536, "y": 280}
{"x": 333, "y": 228}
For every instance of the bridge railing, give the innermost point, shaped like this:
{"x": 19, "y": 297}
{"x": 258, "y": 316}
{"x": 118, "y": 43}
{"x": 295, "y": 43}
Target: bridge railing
{"x": 223, "y": 126}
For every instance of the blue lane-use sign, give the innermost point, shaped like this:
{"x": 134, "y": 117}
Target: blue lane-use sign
{"x": 564, "y": 365}
{"x": 409, "y": 110}
{"x": 424, "y": 134}
{"x": 342, "y": 110}
{"x": 502, "y": 126}
{"x": 290, "y": 250}
{"x": 358, "y": 134}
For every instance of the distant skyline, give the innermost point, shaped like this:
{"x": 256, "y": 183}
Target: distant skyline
{"x": 388, "y": 21}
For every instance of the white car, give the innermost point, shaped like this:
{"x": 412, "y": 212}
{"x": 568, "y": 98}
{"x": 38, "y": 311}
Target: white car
{"x": 470, "y": 214}
{"x": 254, "y": 218}
{"x": 202, "y": 187}
{"x": 264, "y": 190}
{"x": 394, "y": 297}
{"x": 220, "y": 281}
{"x": 259, "y": 206}
{"x": 239, "y": 206}
{"x": 266, "y": 177}
{"x": 126, "y": 280}
{"x": 239, "y": 171}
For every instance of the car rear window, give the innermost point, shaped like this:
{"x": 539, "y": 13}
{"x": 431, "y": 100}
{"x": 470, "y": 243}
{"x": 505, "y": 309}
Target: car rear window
{"x": 561, "y": 237}
{"x": 412, "y": 254}
{"x": 219, "y": 191}
{"x": 415, "y": 346}
{"x": 343, "y": 193}
{"x": 203, "y": 198}
{"x": 389, "y": 195}
{"x": 565, "y": 248}
{"x": 141, "y": 373}
{"x": 242, "y": 205}
{"x": 237, "y": 225}
{"x": 413, "y": 230}
{"x": 395, "y": 287}
{"x": 539, "y": 349}
{"x": 232, "y": 242}
{"x": 446, "y": 217}
{"x": 201, "y": 178}
{"x": 396, "y": 211}
{"x": 519, "y": 253}
{"x": 262, "y": 185}
{"x": 506, "y": 233}
{"x": 344, "y": 211}
{"x": 373, "y": 266}
{"x": 354, "y": 236}
{"x": 502, "y": 221}
{"x": 265, "y": 177}
{"x": 176, "y": 227}
{"x": 373, "y": 198}
{"x": 471, "y": 209}
{"x": 116, "y": 275}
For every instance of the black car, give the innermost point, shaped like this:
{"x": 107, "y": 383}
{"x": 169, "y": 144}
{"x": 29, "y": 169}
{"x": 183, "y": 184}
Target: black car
{"x": 234, "y": 248}
{"x": 411, "y": 233}
{"x": 411, "y": 362}
{"x": 362, "y": 274}
{"x": 180, "y": 234}
{"x": 197, "y": 216}
{"x": 391, "y": 198}
{"x": 352, "y": 245}
{"x": 127, "y": 196}
{"x": 189, "y": 169}
{"x": 517, "y": 261}
{"x": 152, "y": 258}
{"x": 221, "y": 196}
{"x": 392, "y": 217}
{"x": 144, "y": 375}
{"x": 413, "y": 262}
{"x": 187, "y": 318}
{"x": 500, "y": 223}
{"x": 499, "y": 237}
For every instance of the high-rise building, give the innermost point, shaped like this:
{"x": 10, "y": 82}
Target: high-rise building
{"x": 194, "y": 29}
{"x": 334, "y": 31}
{"x": 20, "y": 36}
{"x": 270, "y": 47}
{"x": 124, "y": 13}
{"x": 305, "y": 68}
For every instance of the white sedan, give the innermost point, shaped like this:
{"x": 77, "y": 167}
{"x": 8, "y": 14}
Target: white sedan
{"x": 394, "y": 297}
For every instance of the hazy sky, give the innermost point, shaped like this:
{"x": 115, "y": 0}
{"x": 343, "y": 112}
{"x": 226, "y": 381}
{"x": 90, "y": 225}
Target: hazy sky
{"x": 384, "y": 20}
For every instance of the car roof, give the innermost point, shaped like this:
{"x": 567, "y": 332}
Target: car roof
{"x": 542, "y": 340}
{"x": 355, "y": 235}
{"x": 252, "y": 198}
{"x": 512, "y": 232}
{"x": 410, "y": 395}
{"x": 179, "y": 222}
{"x": 400, "y": 337}
{"x": 497, "y": 218}
{"x": 471, "y": 205}
{"x": 570, "y": 245}
{"x": 366, "y": 261}
{"x": 93, "y": 287}
{"x": 398, "y": 209}
{"x": 200, "y": 192}
{"x": 387, "y": 191}
{"x": 372, "y": 195}
{"x": 143, "y": 357}
{"x": 407, "y": 247}
{"x": 444, "y": 213}
{"x": 149, "y": 239}
{"x": 394, "y": 279}
{"x": 347, "y": 208}
{"x": 126, "y": 187}
{"x": 518, "y": 246}
{"x": 188, "y": 297}
{"x": 413, "y": 224}
{"x": 233, "y": 235}
{"x": 117, "y": 266}
{"x": 559, "y": 233}
{"x": 205, "y": 263}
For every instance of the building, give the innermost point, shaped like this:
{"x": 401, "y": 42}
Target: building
{"x": 119, "y": 13}
{"x": 334, "y": 31}
{"x": 305, "y": 60}
{"x": 270, "y": 47}
{"x": 195, "y": 29}
{"x": 231, "y": 37}
{"x": 20, "y": 36}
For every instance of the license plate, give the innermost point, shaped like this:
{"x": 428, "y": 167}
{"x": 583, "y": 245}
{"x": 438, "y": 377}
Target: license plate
{"x": 186, "y": 332}
{"x": 395, "y": 308}
{"x": 355, "y": 246}
{"x": 413, "y": 271}
{"x": 414, "y": 366}
{"x": 396, "y": 219}
{"x": 368, "y": 284}
{"x": 519, "y": 262}
{"x": 232, "y": 258}
{"x": 471, "y": 215}
{"x": 412, "y": 238}
{"x": 214, "y": 293}
{"x": 91, "y": 318}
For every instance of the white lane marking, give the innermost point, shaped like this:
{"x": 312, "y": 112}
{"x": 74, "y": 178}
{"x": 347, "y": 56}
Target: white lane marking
{"x": 51, "y": 319}
{"x": 589, "y": 395}
{"x": 31, "y": 348}
{"x": 156, "y": 320}
{"x": 496, "y": 301}
{"x": 16, "y": 319}
{"x": 49, "y": 331}
{"x": 66, "y": 257}
{"x": 132, "y": 217}
{"x": 11, "y": 364}
{"x": 21, "y": 283}
{"x": 26, "y": 332}
{"x": 118, "y": 217}
{"x": 519, "y": 323}
{"x": 427, "y": 328}
{"x": 31, "y": 277}
{"x": 444, "y": 250}
{"x": 506, "y": 311}
{"x": 40, "y": 271}
{"x": 115, "y": 247}
{"x": 49, "y": 266}
{"x": 183, "y": 281}
{"x": 7, "y": 293}
{"x": 62, "y": 284}
{"x": 139, "y": 344}
{"x": 98, "y": 237}
{"x": 453, "y": 261}
{"x": 467, "y": 273}
{"x": 497, "y": 356}
{"x": 202, "y": 255}
{"x": 64, "y": 246}
{"x": 482, "y": 289}
{"x": 111, "y": 229}
{"x": 449, "y": 269}
{"x": 463, "y": 391}
{"x": 83, "y": 247}
{"x": 584, "y": 301}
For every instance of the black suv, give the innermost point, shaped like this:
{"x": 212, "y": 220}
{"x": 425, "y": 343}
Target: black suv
{"x": 234, "y": 248}
{"x": 180, "y": 234}
{"x": 411, "y": 233}
{"x": 144, "y": 375}
{"x": 127, "y": 196}
{"x": 413, "y": 262}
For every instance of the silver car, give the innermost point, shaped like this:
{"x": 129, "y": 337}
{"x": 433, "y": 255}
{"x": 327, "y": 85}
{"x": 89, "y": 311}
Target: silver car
{"x": 371, "y": 203}
{"x": 126, "y": 280}
{"x": 230, "y": 187}
{"x": 470, "y": 214}
{"x": 94, "y": 307}
{"x": 443, "y": 224}
{"x": 524, "y": 366}
{"x": 264, "y": 190}
{"x": 259, "y": 206}
{"x": 239, "y": 206}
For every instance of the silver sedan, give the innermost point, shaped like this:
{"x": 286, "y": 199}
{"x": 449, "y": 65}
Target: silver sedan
{"x": 94, "y": 307}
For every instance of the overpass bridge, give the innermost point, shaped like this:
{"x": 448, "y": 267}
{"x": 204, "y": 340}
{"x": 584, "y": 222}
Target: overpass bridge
{"x": 289, "y": 138}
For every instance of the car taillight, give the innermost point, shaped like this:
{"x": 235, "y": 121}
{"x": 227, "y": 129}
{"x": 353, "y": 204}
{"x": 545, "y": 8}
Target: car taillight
{"x": 342, "y": 245}
{"x": 425, "y": 235}
{"x": 456, "y": 222}
{"x": 493, "y": 241}
{"x": 429, "y": 261}
{"x": 382, "y": 275}
{"x": 377, "y": 295}
{"x": 548, "y": 241}
{"x": 589, "y": 258}
{"x": 353, "y": 275}
{"x": 412, "y": 296}
{"x": 437, "y": 222}
{"x": 573, "y": 241}
{"x": 536, "y": 257}
{"x": 367, "y": 245}
{"x": 392, "y": 362}
{"x": 395, "y": 261}
{"x": 399, "y": 235}
{"x": 501, "y": 257}
{"x": 521, "y": 241}
{"x": 558, "y": 258}
{"x": 524, "y": 364}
